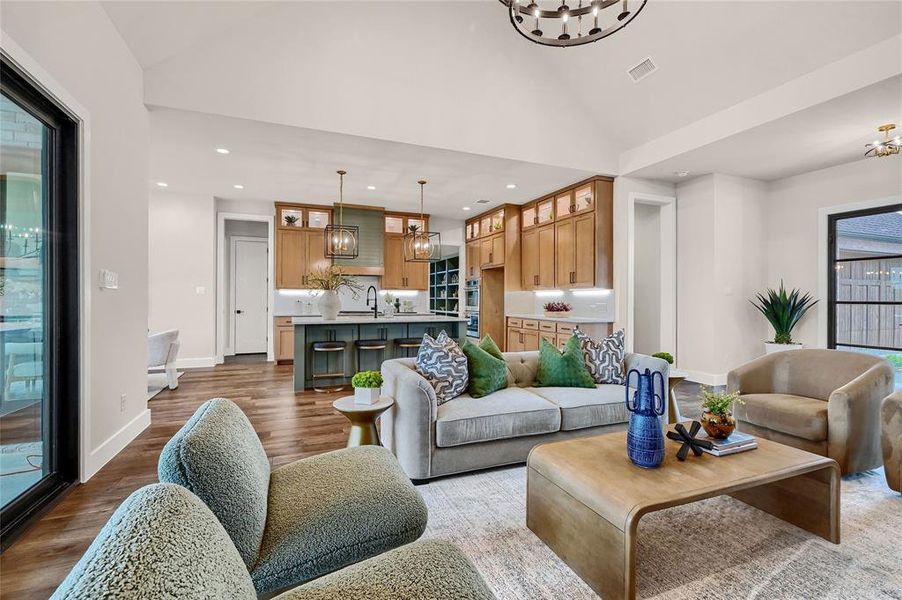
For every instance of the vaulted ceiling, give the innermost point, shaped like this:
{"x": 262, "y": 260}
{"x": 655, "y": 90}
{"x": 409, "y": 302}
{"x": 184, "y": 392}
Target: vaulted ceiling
{"x": 454, "y": 75}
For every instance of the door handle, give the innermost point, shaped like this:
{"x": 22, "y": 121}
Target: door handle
{"x": 239, "y": 311}
{"x": 491, "y": 260}
{"x": 535, "y": 279}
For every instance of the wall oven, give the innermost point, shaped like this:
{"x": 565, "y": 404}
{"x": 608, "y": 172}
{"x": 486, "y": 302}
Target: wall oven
{"x": 471, "y": 307}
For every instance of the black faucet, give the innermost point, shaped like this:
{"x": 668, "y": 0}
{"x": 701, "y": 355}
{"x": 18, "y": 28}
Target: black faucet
{"x": 375, "y": 300}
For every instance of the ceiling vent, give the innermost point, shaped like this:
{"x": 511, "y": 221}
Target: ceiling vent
{"x": 482, "y": 201}
{"x": 642, "y": 70}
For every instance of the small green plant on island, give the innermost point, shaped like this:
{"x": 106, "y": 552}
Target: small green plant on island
{"x": 664, "y": 356}
{"x": 367, "y": 379}
{"x": 718, "y": 403}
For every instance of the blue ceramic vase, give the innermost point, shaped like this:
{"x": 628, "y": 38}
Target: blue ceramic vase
{"x": 645, "y": 439}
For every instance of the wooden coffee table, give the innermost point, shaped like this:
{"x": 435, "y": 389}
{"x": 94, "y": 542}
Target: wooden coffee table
{"x": 584, "y": 498}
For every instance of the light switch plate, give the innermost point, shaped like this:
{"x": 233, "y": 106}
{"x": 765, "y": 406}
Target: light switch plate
{"x": 109, "y": 280}
{"x": 200, "y": 290}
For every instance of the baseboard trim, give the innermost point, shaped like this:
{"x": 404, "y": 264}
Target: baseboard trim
{"x": 195, "y": 363}
{"x": 706, "y": 378}
{"x": 105, "y": 452}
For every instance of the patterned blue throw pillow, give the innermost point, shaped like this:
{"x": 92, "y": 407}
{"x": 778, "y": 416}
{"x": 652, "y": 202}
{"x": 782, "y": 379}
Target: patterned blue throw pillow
{"x": 444, "y": 365}
{"x": 604, "y": 359}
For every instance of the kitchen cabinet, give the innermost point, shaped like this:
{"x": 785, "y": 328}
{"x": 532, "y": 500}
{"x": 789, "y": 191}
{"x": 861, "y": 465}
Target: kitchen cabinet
{"x": 299, "y": 244}
{"x": 529, "y": 256}
{"x": 574, "y": 243}
{"x": 283, "y": 342}
{"x": 473, "y": 268}
{"x": 491, "y": 251}
{"x": 524, "y": 335}
{"x": 302, "y": 216}
{"x": 401, "y": 274}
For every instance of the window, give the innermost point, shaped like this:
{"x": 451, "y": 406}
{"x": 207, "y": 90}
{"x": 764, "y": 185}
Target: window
{"x": 39, "y": 376}
{"x": 865, "y": 296}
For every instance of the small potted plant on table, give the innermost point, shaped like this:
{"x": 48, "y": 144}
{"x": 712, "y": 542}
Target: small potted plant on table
{"x": 557, "y": 309}
{"x": 717, "y": 412}
{"x": 367, "y": 387}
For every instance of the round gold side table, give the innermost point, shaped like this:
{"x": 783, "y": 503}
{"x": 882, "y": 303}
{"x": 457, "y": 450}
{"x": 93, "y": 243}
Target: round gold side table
{"x": 363, "y": 419}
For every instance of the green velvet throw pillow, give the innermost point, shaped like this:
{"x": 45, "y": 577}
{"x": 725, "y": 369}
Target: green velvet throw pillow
{"x": 563, "y": 369}
{"x": 487, "y": 373}
{"x": 489, "y": 345}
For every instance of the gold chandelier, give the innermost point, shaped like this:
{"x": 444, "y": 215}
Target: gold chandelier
{"x": 888, "y": 146}
{"x": 422, "y": 245}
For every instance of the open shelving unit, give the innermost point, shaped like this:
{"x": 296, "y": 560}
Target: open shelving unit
{"x": 444, "y": 286}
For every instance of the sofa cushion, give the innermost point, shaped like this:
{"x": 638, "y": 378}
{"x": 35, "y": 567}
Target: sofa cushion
{"x": 218, "y": 456}
{"x": 487, "y": 373}
{"x": 562, "y": 368}
{"x": 794, "y": 415}
{"x": 444, "y": 365}
{"x": 161, "y": 542}
{"x": 584, "y": 407}
{"x": 511, "y": 412}
{"x": 604, "y": 359}
{"x": 332, "y": 510}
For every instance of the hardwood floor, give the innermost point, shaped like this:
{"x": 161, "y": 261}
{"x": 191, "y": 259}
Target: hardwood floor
{"x": 290, "y": 425}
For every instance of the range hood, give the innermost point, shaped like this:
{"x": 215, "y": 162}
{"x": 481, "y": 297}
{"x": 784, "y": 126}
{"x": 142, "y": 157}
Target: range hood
{"x": 370, "y": 243}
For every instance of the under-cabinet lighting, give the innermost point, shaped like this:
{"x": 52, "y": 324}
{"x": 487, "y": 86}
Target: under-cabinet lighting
{"x": 162, "y": 184}
{"x": 222, "y": 150}
{"x": 591, "y": 292}
{"x": 401, "y": 293}
{"x": 549, "y": 293}
{"x": 285, "y": 292}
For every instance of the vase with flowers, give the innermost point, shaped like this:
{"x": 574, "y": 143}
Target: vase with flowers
{"x": 332, "y": 280}
{"x": 717, "y": 412}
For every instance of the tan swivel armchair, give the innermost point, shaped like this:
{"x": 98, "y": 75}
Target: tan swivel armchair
{"x": 891, "y": 439}
{"x": 822, "y": 401}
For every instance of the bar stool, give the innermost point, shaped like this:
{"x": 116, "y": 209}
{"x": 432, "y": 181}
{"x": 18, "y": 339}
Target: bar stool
{"x": 367, "y": 345}
{"x": 334, "y": 346}
{"x": 408, "y": 343}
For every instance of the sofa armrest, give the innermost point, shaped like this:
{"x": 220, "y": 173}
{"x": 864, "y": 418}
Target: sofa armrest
{"x": 407, "y": 429}
{"x": 853, "y": 419}
{"x": 755, "y": 377}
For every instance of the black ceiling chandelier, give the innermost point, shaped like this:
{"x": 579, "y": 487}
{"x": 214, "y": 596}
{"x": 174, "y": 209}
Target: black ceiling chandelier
{"x": 557, "y": 24}
{"x": 340, "y": 239}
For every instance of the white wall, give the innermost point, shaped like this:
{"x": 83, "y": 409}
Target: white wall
{"x": 183, "y": 259}
{"x": 722, "y": 250}
{"x": 793, "y": 207}
{"x": 647, "y": 280}
{"x": 74, "y": 50}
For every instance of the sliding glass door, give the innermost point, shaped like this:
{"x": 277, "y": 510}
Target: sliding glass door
{"x": 39, "y": 385}
{"x": 865, "y": 299}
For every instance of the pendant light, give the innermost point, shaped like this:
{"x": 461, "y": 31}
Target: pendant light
{"x": 341, "y": 239}
{"x": 421, "y": 245}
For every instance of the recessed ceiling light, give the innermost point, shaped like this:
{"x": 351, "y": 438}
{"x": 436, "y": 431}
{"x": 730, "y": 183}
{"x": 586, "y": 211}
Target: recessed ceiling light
{"x": 238, "y": 186}
{"x": 466, "y": 208}
{"x": 162, "y": 184}
{"x": 511, "y": 186}
{"x": 223, "y": 150}
{"x": 681, "y": 173}
{"x": 370, "y": 187}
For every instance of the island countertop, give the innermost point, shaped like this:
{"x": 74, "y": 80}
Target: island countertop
{"x": 362, "y": 319}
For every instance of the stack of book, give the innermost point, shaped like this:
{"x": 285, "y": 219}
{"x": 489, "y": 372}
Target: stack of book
{"x": 737, "y": 442}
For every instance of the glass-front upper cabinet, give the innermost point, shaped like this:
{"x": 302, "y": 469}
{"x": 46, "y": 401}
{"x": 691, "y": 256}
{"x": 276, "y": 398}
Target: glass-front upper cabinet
{"x": 584, "y": 199}
{"x": 472, "y": 230}
{"x": 496, "y": 221}
{"x": 544, "y": 211}
{"x": 563, "y": 205}
{"x": 394, "y": 224}
{"x": 317, "y": 219}
{"x": 291, "y": 215}
{"x": 420, "y": 224}
{"x": 401, "y": 224}
{"x": 528, "y": 216}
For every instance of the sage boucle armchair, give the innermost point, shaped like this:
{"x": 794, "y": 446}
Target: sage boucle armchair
{"x": 163, "y": 542}
{"x": 891, "y": 439}
{"x": 823, "y": 401}
{"x": 302, "y": 520}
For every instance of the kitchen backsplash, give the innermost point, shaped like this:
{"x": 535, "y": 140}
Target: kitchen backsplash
{"x": 586, "y": 303}
{"x": 300, "y": 302}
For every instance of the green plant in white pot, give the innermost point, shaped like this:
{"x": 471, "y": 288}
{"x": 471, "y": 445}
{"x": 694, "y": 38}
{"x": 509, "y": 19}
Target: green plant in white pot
{"x": 783, "y": 310}
{"x": 367, "y": 387}
{"x": 331, "y": 281}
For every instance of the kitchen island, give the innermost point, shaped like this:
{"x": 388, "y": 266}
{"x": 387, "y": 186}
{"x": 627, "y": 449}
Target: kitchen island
{"x": 341, "y": 365}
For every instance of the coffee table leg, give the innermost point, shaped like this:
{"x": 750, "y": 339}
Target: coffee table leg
{"x": 809, "y": 501}
{"x": 603, "y": 555}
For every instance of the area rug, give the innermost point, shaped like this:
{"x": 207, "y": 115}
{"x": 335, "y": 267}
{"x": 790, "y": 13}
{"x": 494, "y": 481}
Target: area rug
{"x": 714, "y": 549}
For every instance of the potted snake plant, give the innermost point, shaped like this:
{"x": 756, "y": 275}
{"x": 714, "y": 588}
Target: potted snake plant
{"x": 783, "y": 310}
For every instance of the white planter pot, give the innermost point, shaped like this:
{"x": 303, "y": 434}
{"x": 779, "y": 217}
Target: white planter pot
{"x": 366, "y": 395}
{"x": 329, "y": 305}
{"x": 770, "y": 347}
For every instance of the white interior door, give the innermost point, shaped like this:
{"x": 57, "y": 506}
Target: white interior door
{"x": 250, "y": 305}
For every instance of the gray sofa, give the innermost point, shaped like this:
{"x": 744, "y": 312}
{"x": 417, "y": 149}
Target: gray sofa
{"x": 163, "y": 542}
{"x": 466, "y": 434}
